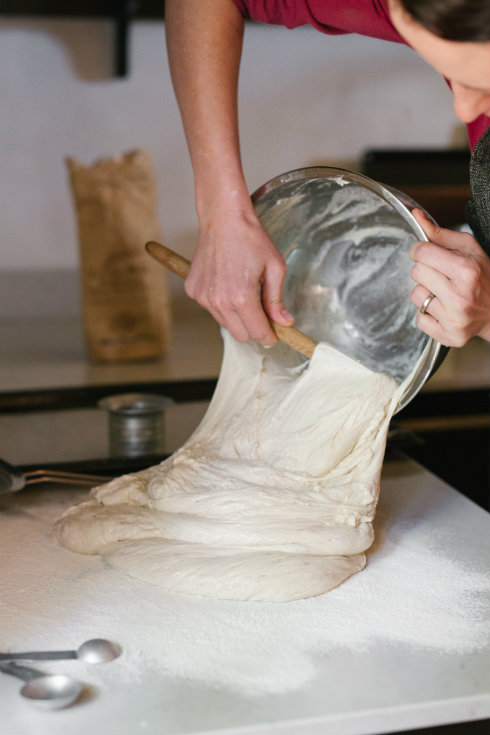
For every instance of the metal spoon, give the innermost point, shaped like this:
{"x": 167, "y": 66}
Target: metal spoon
{"x": 12, "y": 479}
{"x": 45, "y": 691}
{"x": 95, "y": 651}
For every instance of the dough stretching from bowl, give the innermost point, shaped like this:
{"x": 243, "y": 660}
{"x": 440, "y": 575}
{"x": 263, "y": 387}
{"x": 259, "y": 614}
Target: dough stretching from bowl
{"x": 271, "y": 498}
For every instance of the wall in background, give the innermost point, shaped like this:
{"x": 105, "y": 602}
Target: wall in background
{"x": 305, "y": 99}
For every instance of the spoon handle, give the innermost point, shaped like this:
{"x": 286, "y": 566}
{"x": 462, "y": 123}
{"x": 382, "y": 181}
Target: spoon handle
{"x": 21, "y": 672}
{"x": 39, "y": 655}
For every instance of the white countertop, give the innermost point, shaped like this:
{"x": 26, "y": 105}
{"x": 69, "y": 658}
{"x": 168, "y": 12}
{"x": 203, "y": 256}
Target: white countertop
{"x": 50, "y": 353}
{"x": 416, "y": 655}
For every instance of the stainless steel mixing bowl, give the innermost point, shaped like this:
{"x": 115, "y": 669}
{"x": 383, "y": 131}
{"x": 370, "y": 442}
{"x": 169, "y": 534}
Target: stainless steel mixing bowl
{"x": 346, "y": 240}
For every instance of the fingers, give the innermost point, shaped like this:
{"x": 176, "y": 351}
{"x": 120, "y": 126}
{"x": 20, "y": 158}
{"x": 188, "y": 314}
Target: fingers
{"x": 432, "y": 319}
{"x": 451, "y": 321}
{"x": 452, "y": 240}
{"x": 271, "y": 294}
{"x": 437, "y": 322}
{"x": 433, "y": 279}
{"x": 238, "y": 310}
{"x": 263, "y": 301}
{"x": 230, "y": 289}
{"x": 237, "y": 274}
{"x": 451, "y": 262}
{"x": 426, "y": 302}
{"x": 434, "y": 329}
{"x": 428, "y": 305}
{"x": 256, "y": 323}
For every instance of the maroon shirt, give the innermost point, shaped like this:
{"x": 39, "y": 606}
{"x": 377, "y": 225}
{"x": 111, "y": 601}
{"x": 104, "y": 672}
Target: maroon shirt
{"x": 335, "y": 17}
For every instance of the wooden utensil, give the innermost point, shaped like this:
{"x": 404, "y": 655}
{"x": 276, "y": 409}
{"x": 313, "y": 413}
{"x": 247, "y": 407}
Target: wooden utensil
{"x": 179, "y": 265}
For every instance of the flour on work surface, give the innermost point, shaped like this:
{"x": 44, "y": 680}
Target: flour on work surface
{"x": 420, "y": 595}
{"x": 273, "y": 496}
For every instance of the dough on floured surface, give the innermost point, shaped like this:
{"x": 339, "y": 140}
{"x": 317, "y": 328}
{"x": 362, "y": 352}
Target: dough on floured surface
{"x": 273, "y": 495}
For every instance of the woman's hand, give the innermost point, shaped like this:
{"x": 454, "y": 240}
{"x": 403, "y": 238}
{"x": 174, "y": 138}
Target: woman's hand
{"x": 237, "y": 274}
{"x": 456, "y": 271}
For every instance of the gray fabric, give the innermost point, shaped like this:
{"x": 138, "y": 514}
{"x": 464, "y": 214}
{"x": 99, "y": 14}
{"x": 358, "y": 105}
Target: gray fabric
{"x": 478, "y": 207}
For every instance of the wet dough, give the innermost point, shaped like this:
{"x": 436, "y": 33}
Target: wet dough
{"x": 272, "y": 497}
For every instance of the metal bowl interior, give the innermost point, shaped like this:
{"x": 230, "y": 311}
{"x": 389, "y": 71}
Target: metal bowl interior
{"x": 346, "y": 239}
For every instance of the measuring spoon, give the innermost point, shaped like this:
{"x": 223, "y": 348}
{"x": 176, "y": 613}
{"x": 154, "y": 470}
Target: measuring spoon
{"x": 12, "y": 479}
{"x": 95, "y": 651}
{"x": 45, "y": 691}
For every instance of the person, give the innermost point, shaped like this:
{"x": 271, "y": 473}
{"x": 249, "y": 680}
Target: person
{"x": 236, "y": 272}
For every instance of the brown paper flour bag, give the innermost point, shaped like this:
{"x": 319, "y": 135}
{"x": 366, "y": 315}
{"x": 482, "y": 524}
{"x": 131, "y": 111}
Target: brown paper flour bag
{"x": 125, "y": 295}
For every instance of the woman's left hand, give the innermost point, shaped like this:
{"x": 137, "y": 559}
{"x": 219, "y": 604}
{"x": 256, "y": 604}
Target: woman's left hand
{"x": 453, "y": 269}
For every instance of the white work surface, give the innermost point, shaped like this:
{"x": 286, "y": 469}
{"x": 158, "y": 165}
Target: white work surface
{"x": 403, "y": 644}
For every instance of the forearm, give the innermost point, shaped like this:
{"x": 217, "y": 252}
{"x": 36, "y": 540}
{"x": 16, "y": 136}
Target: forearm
{"x": 236, "y": 272}
{"x": 204, "y": 39}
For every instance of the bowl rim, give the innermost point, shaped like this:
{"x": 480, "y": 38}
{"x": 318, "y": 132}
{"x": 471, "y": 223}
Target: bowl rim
{"x": 431, "y": 355}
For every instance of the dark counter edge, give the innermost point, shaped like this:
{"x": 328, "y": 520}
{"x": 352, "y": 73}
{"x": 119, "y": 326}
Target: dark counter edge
{"x": 55, "y": 399}
{"x": 437, "y": 403}
{"x": 438, "y": 451}
{"x": 474, "y": 727}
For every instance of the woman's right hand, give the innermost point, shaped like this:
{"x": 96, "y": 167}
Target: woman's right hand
{"x": 237, "y": 274}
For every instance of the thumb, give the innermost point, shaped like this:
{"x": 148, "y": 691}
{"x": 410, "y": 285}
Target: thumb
{"x": 272, "y": 302}
{"x": 458, "y": 242}
{"x": 431, "y": 230}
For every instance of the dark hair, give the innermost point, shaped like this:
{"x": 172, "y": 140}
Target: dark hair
{"x": 454, "y": 20}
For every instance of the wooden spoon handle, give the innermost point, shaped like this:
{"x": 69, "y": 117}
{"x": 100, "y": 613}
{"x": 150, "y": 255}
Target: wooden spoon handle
{"x": 171, "y": 260}
{"x": 179, "y": 265}
{"x": 294, "y": 338}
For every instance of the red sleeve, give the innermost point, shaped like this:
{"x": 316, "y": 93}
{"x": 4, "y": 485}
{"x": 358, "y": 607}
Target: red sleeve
{"x": 275, "y": 12}
{"x": 240, "y": 6}
{"x": 365, "y": 17}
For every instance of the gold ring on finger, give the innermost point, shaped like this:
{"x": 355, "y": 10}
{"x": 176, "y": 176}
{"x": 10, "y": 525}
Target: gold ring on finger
{"x": 423, "y": 308}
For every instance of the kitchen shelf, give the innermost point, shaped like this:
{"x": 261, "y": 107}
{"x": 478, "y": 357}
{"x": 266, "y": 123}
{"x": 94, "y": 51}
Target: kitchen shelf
{"x": 122, "y": 12}
{"x": 151, "y": 9}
